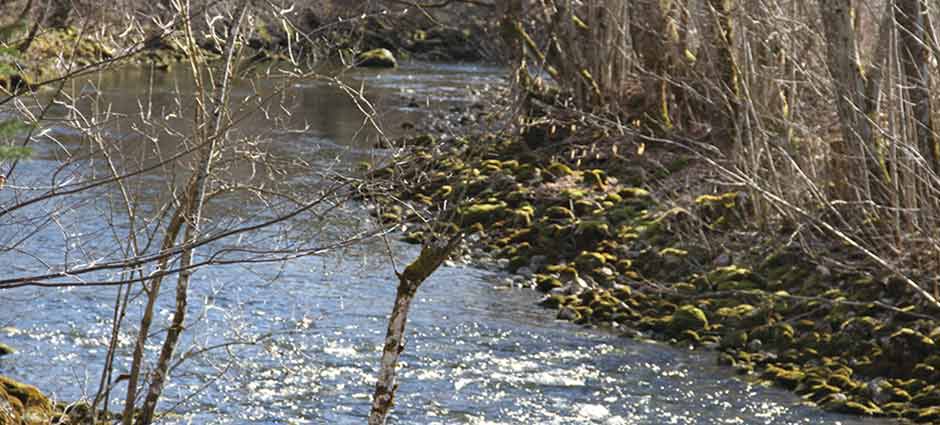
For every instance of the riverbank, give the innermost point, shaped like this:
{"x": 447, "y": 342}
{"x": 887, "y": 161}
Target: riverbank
{"x": 616, "y": 236}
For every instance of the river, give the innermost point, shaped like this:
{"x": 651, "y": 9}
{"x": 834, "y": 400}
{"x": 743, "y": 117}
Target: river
{"x": 299, "y": 341}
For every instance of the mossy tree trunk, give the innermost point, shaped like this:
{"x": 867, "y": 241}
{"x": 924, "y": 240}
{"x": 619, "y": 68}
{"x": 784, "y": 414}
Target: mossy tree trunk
{"x": 432, "y": 255}
{"x": 719, "y": 36}
{"x": 652, "y": 37}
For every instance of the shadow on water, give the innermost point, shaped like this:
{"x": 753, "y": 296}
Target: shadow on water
{"x": 299, "y": 342}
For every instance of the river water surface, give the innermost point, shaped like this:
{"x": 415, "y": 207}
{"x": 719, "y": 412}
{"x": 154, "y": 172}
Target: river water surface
{"x": 298, "y": 342}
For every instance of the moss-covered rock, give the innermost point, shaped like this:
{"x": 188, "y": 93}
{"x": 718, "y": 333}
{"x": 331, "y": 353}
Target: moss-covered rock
{"x": 376, "y": 58}
{"x": 6, "y": 349}
{"x": 787, "y": 378}
{"x": 720, "y": 210}
{"x": 559, "y": 213}
{"x": 23, "y": 403}
{"x": 482, "y": 213}
{"x": 557, "y": 169}
{"x": 687, "y": 317}
{"x": 927, "y": 415}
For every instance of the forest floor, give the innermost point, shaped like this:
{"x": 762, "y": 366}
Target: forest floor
{"x": 647, "y": 241}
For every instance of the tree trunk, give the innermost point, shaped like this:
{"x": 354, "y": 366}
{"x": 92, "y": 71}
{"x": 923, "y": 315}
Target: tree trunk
{"x": 720, "y": 38}
{"x": 854, "y": 157}
{"x": 431, "y": 257}
{"x": 651, "y": 35}
{"x": 911, "y": 17}
{"x": 152, "y": 289}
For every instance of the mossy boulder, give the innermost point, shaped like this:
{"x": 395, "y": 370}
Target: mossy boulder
{"x": 6, "y": 349}
{"x": 558, "y": 169}
{"x": 589, "y": 232}
{"x": 376, "y": 58}
{"x": 721, "y": 209}
{"x": 546, "y": 283}
{"x": 732, "y": 278}
{"x": 686, "y": 317}
{"x": 483, "y": 213}
{"x": 523, "y": 215}
{"x": 928, "y": 415}
{"x": 787, "y": 378}
{"x": 23, "y": 404}
{"x": 559, "y": 213}
{"x": 588, "y": 260}
{"x": 734, "y": 313}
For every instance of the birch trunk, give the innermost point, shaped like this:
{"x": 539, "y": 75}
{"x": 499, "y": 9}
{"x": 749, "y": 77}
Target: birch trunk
{"x": 431, "y": 257}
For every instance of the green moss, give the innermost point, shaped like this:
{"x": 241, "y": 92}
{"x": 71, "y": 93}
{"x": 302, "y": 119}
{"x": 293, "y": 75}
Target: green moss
{"x": 673, "y": 252}
{"x": 728, "y": 273}
{"x": 36, "y": 408}
{"x": 574, "y": 194}
{"x": 737, "y": 312}
{"x": 928, "y": 414}
{"x": 634, "y": 193}
{"x": 728, "y": 200}
{"x": 557, "y": 300}
{"x": 390, "y": 218}
{"x": 591, "y": 260}
{"x": 546, "y": 283}
{"x": 483, "y": 213}
{"x": 687, "y": 317}
{"x": 558, "y": 169}
{"x": 559, "y": 213}
{"x": 524, "y": 215}
{"x": 592, "y": 230}
{"x": 787, "y": 378}
{"x": 376, "y": 58}
{"x": 733, "y": 340}
{"x": 596, "y": 178}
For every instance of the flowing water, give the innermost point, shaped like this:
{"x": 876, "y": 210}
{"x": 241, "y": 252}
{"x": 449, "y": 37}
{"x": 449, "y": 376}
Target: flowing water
{"x": 298, "y": 342}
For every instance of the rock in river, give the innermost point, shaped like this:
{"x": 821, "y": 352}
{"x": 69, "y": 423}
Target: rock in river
{"x": 376, "y": 58}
